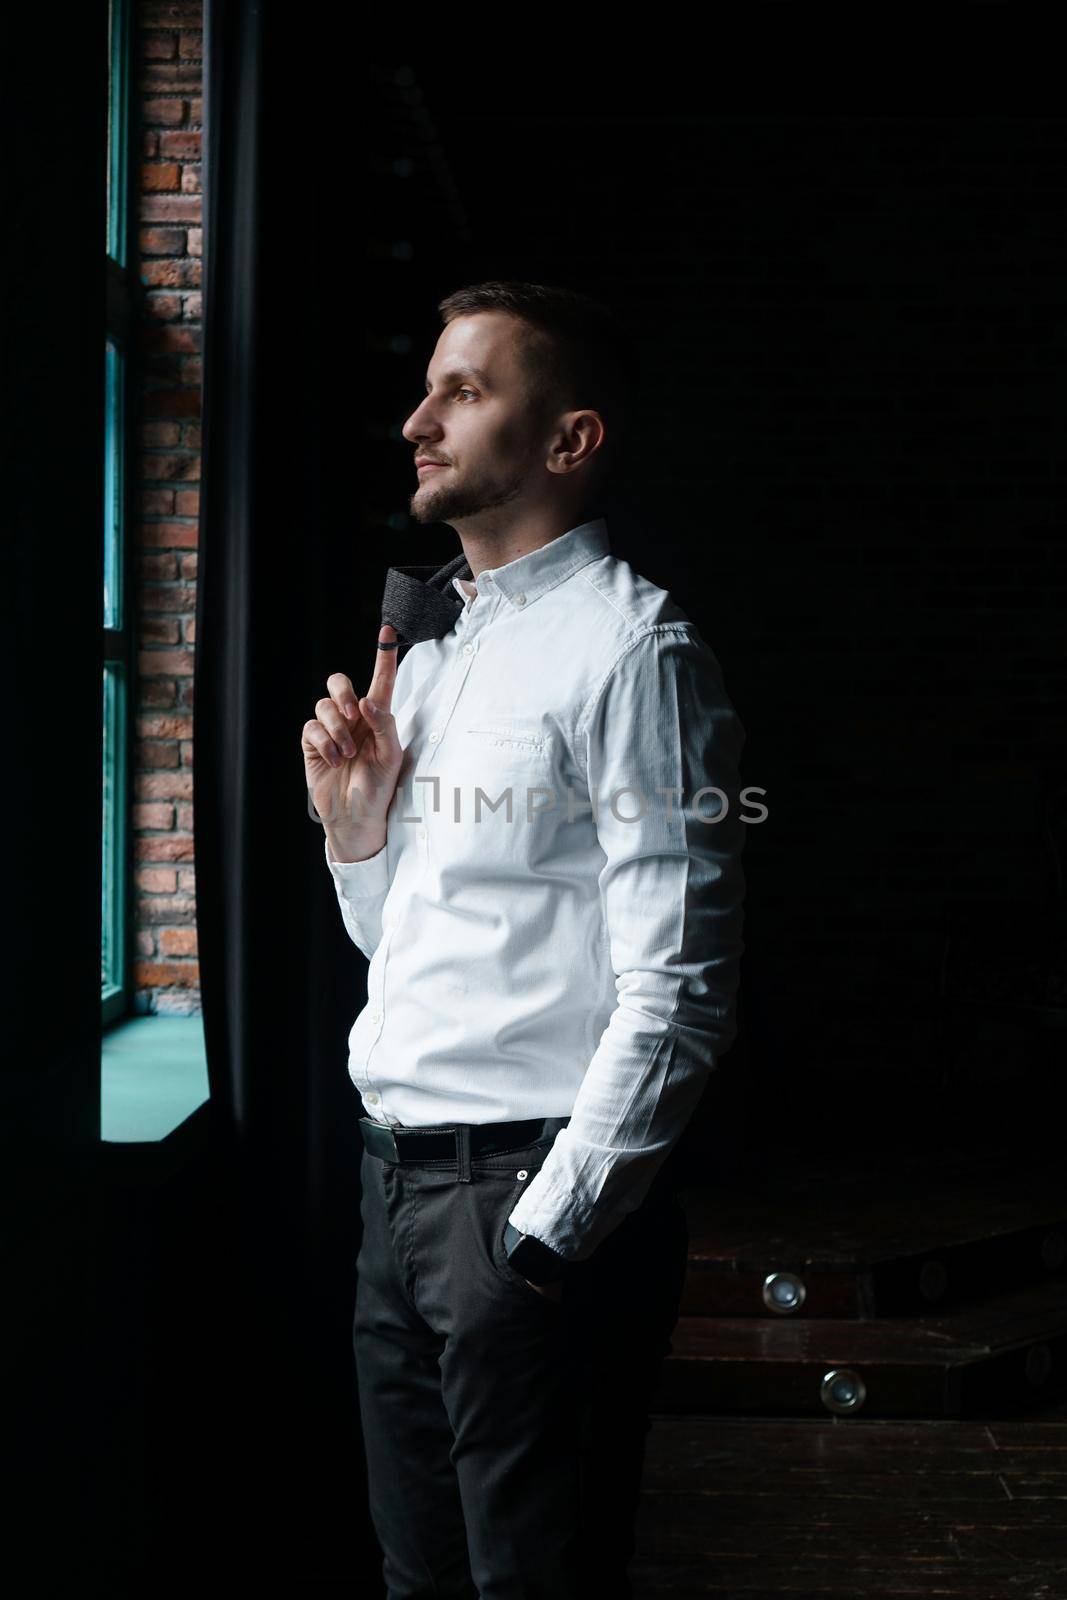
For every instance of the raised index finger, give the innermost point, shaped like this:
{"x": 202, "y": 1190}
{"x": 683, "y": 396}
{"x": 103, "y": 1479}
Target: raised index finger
{"x": 381, "y": 685}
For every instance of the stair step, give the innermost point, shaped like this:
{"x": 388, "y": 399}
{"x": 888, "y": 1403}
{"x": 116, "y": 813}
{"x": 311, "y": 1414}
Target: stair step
{"x": 1000, "y": 1353}
{"x": 899, "y": 1235}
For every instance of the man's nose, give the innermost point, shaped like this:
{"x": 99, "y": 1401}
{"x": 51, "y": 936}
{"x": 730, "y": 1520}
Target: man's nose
{"x": 418, "y": 426}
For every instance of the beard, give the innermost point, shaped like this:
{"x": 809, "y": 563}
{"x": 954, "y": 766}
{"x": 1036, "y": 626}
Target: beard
{"x": 453, "y": 497}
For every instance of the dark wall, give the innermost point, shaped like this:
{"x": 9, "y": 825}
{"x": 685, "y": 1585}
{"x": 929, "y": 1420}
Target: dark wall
{"x": 849, "y": 471}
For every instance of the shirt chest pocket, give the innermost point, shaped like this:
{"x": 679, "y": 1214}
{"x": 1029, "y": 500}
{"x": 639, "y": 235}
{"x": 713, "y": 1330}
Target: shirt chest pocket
{"x": 525, "y": 738}
{"x": 499, "y": 747}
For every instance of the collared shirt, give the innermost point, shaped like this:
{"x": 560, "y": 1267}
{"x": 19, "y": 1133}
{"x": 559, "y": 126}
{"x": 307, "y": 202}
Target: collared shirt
{"x": 574, "y": 952}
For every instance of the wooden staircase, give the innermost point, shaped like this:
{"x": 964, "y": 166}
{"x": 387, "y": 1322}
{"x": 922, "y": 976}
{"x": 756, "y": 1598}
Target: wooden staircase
{"x": 919, "y": 1286}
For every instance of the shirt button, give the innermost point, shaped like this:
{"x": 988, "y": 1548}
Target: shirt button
{"x": 376, "y": 1016}
{"x": 422, "y": 833}
{"x": 434, "y": 736}
{"x": 468, "y": 649}
{"x": 372, "y": 1098}
{"x": 520, "y": 599}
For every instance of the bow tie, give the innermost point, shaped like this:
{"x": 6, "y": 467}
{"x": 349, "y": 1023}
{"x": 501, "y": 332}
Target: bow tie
{"x": 421, "y": 602}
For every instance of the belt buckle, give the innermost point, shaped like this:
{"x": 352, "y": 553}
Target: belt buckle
{"x": 413, "y": 1144}
{"x": 380, "y": 1139}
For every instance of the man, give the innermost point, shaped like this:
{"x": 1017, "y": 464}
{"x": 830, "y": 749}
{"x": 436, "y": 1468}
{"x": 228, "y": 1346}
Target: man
{"x": 531, "y": 822}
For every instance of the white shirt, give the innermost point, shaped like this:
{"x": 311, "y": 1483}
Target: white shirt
{"x": 555, "y": 965}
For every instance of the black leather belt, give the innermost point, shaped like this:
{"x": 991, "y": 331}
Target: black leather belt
{"x": 443, "y": 1141}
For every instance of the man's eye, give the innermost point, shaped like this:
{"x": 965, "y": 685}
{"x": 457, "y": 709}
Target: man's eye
{"x": 465, "y": 391}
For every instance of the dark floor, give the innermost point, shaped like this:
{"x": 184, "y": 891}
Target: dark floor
{"x": 760, "y": 1508}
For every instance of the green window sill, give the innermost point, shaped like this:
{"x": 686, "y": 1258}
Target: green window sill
{"x": 153, "y": 1078}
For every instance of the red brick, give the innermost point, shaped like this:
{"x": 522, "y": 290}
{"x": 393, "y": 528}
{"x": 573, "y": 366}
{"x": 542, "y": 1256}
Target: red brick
{"x": 190, "y": 180}
{"x": 160, "y": 975}
{"x": 185, "y": 816}
{"x": 158, "y": 753}
{"x": 159, "y": 46}
{"x": 153, "y": 816}
{"x": 156, "y": 692}
{"x": 163, "y": 307}
{"x": 177, "y": 942}
{"x": 176, "y": 726}
{"x": 172, "y": 402}
{"x": 169, "y": 208}
{"x": 160, "y": 369}
{"x": 168, "y": 273}
{"x": 195, "y": 244}
{"x": 159, "y": 567}
{"x": 163, "y": 338}
{"x": 165, "y": 663}
{"x": 186, "y": 747}
{"x": 156, "y": 502}
{"x": 159, "y": 630}
{"x": 167, "y": 77}
{"x": 155, "y": 434}
{"x": 187, "y": 878}
{"x": 167, "y": 908}
{"x": 191, "y": 45}
{"x": 190, "y": 630}
{"x": 187, "y": 501}
{"x": 184, "y": 1002}
{"x": 160, "y": 176}
{"x": 146, "y": 942}
{"x": 163, "y": 785}
{"x": 183, "y": 146}
{"x": 158, "y": 597}
{"x": 188, "y": 565}
{"x": 161, "y": 241}
{"x": 196, "y": 112}
{"x": 194, "y": 307}
{"x": 167, "y": 468}
{"x": 157, "y": 880}
{"x": 165, "y": 113}
{"x": 176, "y": 535}
{"x": 162, "y": 847}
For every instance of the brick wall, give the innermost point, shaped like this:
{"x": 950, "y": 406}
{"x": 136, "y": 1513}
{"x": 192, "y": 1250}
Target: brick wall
{"x": 166, "y": 90}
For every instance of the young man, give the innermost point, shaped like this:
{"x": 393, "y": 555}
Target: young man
{"x": 532, "y": 825}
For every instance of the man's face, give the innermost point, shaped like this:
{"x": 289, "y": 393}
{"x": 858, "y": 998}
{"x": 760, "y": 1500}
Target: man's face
{"x": 476, "y": 419}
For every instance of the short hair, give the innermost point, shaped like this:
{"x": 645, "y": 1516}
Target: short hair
{"x": 577, "y": 355}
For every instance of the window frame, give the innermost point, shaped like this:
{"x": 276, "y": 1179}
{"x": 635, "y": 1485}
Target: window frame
{"x": 118, "y": 642}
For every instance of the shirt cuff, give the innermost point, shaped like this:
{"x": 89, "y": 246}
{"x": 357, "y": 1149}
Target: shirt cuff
{"x": 358, "y": 880}
{"x": 560, "y": 1219}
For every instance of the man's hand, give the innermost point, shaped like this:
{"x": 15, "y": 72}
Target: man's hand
{"x": 352, "y": 757}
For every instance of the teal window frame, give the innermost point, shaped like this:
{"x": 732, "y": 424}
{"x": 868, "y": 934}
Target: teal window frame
{"x": 154, "y": 1091}
{"x": 117, "y": 654}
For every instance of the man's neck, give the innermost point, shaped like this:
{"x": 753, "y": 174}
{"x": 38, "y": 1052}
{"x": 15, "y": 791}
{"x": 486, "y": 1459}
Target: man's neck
{"x": 487, "y": 551}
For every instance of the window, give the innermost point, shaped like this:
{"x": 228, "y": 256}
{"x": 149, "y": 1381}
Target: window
{"x": 117, "y": 643}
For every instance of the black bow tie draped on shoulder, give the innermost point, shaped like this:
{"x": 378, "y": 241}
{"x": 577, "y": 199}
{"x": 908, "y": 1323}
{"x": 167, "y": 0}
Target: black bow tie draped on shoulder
{"x": 421, "y": 602}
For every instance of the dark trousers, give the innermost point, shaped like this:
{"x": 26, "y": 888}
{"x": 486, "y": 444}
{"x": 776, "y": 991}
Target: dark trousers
{"x": 504, "y": 1431}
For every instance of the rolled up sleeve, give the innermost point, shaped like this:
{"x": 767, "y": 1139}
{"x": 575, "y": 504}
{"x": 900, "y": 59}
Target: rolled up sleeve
{"x": 659, "y": 730}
